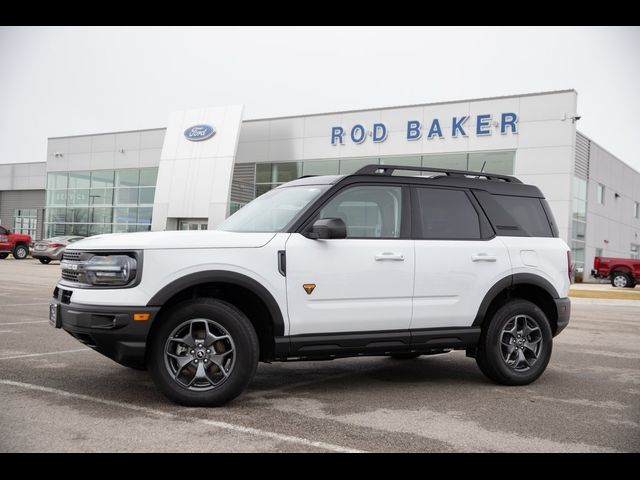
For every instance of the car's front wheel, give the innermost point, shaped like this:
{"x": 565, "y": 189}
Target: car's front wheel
{"x": 45, "y": 260}
{"x": 204, "y": 353}
{"x": 20, "y": 252}
{"x": 515, "y": 347}
{"x": 4, "y": 255}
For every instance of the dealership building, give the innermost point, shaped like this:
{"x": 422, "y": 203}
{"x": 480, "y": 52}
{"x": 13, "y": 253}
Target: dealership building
{"x": 209, "y": 162}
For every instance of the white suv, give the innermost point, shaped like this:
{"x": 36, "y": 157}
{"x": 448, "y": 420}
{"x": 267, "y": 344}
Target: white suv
{"x": 326, "y": 267}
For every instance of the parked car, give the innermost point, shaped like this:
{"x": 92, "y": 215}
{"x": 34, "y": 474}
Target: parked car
{"x": 622, "y": 272}
{"x": 14, "y": 243}
{"x": 52, "y": 248}
{"x": 327, "y": 267}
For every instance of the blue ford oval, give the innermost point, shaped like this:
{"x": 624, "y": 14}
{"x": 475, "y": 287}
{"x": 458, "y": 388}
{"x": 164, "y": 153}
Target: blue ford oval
{"x": 198, "y": 133}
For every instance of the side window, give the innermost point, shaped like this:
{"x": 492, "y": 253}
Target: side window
{"x": 447, "y": 214}
{"x": 3, "y": 231}
{"x": 367, "y": 211}
{"x": 529, "y": 213}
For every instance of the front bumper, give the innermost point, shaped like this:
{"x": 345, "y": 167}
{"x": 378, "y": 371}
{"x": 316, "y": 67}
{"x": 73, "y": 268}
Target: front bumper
{"x": 107, "y": 329}
{"x": 563, "y": 307}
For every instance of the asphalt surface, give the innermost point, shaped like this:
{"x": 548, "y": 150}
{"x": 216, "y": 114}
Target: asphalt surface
{"x": 56, "y": 395}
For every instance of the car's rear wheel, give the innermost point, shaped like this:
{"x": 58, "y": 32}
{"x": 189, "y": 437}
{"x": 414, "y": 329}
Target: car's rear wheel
{"x": 45, "y": 261}
{"x": 515, "y": 347}
{"x": 620, "y": 280}
{"x": 20, "y": 252}
{"x": 204, "y": 353}
{"x": 4, "y": 255}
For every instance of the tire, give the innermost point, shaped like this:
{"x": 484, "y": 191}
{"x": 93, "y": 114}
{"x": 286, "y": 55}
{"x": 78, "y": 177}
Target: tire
{"x": 404, "y": 356}
{"x": 497, "y": 358}
{"x": 45, "y": 261}
{"x": 4, "y": 255}
{"x": 237, "y": 351}
{"x": 20, "y": 252}
{"x": 620, "y": 279}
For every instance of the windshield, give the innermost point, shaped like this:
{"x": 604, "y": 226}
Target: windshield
{"x": 272, "y": 211}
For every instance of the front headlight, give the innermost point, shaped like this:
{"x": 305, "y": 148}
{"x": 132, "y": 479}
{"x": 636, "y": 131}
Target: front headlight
{"x": 109, "y": 270}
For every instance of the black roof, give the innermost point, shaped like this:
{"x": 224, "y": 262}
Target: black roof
{"x": 489, "y": 182}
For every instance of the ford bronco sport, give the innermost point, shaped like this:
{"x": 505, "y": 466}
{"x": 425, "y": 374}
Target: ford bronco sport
{"x": 325, "y": 267}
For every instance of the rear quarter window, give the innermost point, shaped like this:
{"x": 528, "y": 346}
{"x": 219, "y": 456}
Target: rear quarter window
{"x": 528, "y": 212}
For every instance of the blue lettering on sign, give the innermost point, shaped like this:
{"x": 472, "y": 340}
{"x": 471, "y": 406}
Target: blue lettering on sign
{"x": 456, "y": 126}
{"x": 435, "y": 129}
{"x": 414, "y": 130}
{"x": 337, "y": 135}
{"x": 197, "y": 133}
{"x": 508, "y": 119}
{"x": 379, "y": 132}
{"x": 483, "y": 125}
{"x": 358, "y": 133}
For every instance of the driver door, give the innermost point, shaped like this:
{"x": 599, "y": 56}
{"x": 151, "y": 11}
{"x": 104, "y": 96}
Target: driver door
{"x": 361, "y": 283}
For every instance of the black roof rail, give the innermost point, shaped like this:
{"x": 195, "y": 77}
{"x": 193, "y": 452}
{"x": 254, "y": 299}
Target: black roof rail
{"x": 389, "y": 169}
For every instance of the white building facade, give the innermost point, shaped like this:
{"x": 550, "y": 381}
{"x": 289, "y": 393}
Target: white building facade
{"x": 209, "y": 162}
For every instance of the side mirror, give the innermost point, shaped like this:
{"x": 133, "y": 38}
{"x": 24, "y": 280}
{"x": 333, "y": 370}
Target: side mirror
{"x": 327, "y": 228}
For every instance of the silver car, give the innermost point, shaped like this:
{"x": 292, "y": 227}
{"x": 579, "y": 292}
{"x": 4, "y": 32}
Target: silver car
{"x": 52, "y": 248}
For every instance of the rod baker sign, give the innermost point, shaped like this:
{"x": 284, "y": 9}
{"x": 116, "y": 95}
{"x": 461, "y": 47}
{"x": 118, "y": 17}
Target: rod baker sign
{"x": 462, "y": 126}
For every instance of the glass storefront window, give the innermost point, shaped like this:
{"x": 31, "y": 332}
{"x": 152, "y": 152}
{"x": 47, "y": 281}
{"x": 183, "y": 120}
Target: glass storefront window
{"x": 352, "y": 165}
{"x": 148, "y": 177}
{"x": 146, "y": 195}
{"x": 125, "y": 215}
{"x": 128, "y": 178}
{"x": 263, "y": 173}
{"x": 57, "y": 197}
{"x": 25, "y": 221}
{"x": 102, "y": 178}
{"x": 321, "y": 167}
{"x": 82, "y": 202}
{"x": 101, "y": 196}
{"x": 78, "y": 197}
{"x": 126, "y": 196}
{"x": 454, "y": 161}
{"x": 79, "y": 179}
{"x": 144, "y": 215}
{"x": 493, "y": 162}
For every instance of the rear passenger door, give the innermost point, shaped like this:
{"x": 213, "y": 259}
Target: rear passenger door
{"x": 458, "y": 257}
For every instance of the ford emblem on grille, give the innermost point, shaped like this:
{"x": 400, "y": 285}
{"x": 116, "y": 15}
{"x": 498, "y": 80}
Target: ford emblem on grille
{"x": 197, "y": 133}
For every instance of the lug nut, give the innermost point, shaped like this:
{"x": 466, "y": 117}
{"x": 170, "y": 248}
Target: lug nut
{"x": 196, "y": 360}
{"x": 200, "y": 346}
{"x": 208, "y": 351}
{"x": 205, "y": 360}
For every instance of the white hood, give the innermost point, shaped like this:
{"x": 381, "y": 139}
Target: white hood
{"x": 173, "y": 239}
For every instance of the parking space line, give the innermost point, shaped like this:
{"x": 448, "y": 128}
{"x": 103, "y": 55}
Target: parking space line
{"x": 213, "y": 423}
{"x": 13, "y": 357}
{"x": 22, "y": 323}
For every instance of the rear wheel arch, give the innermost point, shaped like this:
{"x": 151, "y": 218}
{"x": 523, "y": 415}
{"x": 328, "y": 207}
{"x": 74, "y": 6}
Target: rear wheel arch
{"x": 524, "y": 286}
{"x": 241, "y": 291}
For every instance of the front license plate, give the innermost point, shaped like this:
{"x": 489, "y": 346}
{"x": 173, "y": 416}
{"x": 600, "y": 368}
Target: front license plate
{"x": 54, "y": 316}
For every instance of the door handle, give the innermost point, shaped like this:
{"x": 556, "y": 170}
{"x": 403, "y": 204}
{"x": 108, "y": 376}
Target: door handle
{"x": 389, "y": 256}
{"x": 483, "y": 257}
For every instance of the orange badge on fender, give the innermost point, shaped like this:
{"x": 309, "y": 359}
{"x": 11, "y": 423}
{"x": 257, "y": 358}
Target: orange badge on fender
{"x": 308, "y": 287}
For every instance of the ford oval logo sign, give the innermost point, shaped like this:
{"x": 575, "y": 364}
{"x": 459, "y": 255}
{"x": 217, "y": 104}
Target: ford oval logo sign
{"x": 197, "y": 133}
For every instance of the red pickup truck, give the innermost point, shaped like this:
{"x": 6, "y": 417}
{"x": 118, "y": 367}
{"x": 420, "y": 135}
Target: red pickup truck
{"x": 623, "y": 272}
{"x": 15, "y": 243}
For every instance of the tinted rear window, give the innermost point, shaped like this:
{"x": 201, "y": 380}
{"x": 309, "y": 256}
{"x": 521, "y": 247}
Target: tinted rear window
{"x": 528, "y": 212}
{"x": 447, "y": 214}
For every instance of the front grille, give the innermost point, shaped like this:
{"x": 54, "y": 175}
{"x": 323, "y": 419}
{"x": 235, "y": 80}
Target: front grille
{"x": 72, "y": 256}
{"x": 70, "y": 275}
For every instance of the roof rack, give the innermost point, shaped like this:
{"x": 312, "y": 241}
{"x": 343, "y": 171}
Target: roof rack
{"x": 389, "y": 169}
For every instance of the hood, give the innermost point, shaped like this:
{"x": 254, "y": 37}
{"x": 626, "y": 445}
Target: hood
{"x": 173, "y": 240}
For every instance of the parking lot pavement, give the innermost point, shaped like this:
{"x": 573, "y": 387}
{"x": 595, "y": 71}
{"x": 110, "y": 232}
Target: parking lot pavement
{"x": 57, "y": 395}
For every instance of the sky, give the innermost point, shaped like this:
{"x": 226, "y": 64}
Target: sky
{"x": 59, "y": 81}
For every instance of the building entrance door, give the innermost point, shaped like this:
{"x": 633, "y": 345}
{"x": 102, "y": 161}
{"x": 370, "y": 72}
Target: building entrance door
{"x": 192, "y": 224}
